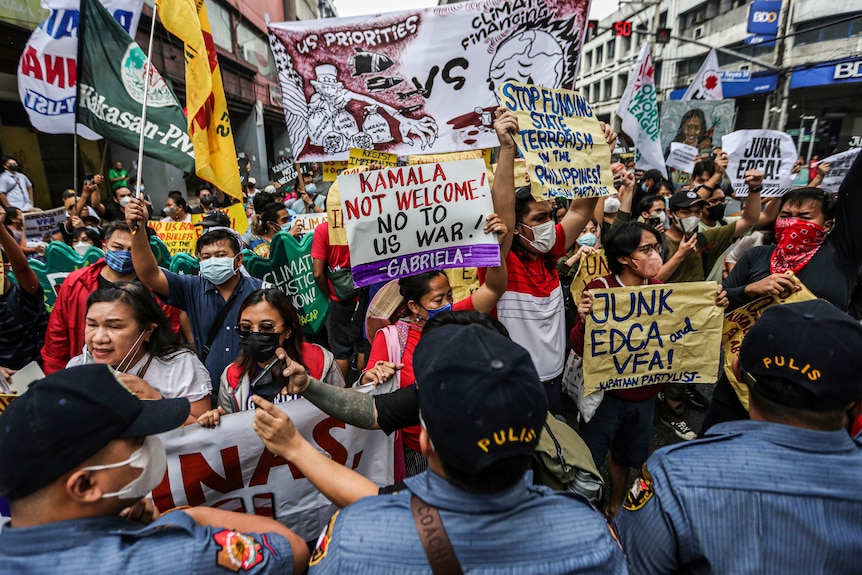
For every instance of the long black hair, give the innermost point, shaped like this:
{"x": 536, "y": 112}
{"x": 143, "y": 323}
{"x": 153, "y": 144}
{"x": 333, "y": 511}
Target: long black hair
{"x": 282, "y": 304}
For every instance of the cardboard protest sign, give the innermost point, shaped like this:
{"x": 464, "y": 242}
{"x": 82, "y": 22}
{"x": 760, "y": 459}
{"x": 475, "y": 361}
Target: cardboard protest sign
{"x": 290, "y": 267}
{"x": 771, "y": 151}
{"x": 370, "y": 158}
{"x": 592, "y": 266}
{"x": 308, "y": 222}
{"x": 463, "y": 281}
{"x": 229, "y": 468}
{"x": 738, "y": 322}
{"x": 284, "y": 172}
{"x": 682, "y": 157}
{"x": 40, "y": 226}
{"x": 562, "y": 141}
{"x": 177, "y": 236}
{"x": 665, "y": 333}
{"x": 407, "y": 220}
{"x": 236, "y": 214}
{"x": 839, "y": 165}
{"x": 332, "y": 169}
{"x": 415, "y": 80}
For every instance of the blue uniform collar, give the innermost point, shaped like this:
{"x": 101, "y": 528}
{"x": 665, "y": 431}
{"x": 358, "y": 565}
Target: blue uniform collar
{"x": 435, "y": 490}
{"x": 789, "y": 436}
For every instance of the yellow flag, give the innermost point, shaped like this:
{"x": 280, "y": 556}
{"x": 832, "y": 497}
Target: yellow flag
{"x": 206, "y": 106}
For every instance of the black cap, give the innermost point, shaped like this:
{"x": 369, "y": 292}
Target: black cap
{"x": 654, "y": 175}
{"x": 480, "y": 396}
{"x": 685, "y": 200}
{"x": 69, "y": 416}
{"x": 214, "y": 218}
{"x": 811, "y": 344}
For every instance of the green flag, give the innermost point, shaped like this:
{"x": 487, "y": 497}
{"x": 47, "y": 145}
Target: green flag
{"x": 111, "y": 79}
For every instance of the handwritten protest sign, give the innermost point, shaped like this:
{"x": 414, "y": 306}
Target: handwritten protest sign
{"x": 592, "y": 266}
{"x": 737, "y": 324}
{"x": 839, "y": 165}
{"x": 332, "y": 169}
{"x": 562, "y": 141}
{"x": 308, "y": 222}
{"x": 407, "y": 220}
{"x": 40, "y": 226}
{"x": 177, "y": 236}
{"x": 284, "y": 172}
{"x": 290, "y": 267}
{"x": 682, "y": 157}
{"x": 666, "y": 333}
{"x": 228, "y": 467}
{"x": 771, "y": 151}
{"x": 236, "y": 214}
{"x": 370, "y": 158}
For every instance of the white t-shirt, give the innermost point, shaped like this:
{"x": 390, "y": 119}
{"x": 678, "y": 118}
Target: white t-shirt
{"x": 182, "y": 375}
{"x": 16, "y": 187}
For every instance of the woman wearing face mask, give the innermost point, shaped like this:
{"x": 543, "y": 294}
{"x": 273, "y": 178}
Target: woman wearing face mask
{"x": 126, "y": 329}
{"x": 273, "y": 219}
{"x": 85, "y": 238}
{"x": 623, "y": 421}
{"x": 268, "y": 322}
{"x": 176, "y": 209}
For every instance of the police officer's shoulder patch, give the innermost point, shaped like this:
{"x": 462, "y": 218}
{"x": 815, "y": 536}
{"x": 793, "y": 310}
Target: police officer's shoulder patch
{"x": 237, "y": 550}
{"x": 641, "y": 491}
{"x": 323, "y": 542}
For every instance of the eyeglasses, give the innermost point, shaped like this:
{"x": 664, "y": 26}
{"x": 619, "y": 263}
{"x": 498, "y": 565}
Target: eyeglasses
{"x": 265, "y": 327}
{"x": 647, "y": 249}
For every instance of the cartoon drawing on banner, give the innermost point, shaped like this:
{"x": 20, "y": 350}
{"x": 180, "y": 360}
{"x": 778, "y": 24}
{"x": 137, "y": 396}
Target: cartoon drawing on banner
{"x": 401, "y": 81}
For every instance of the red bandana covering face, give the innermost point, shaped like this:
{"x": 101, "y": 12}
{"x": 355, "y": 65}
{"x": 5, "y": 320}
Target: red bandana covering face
{"x": 798, "y": 241}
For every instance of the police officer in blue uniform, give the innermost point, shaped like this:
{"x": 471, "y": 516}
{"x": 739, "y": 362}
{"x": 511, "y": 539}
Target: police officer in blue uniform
{"x": 77, "y": 457}
{"x": 482, "y": 408}
{"x": 776, "y": 494}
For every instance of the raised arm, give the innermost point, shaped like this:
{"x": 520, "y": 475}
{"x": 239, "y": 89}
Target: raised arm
{"x": 146, "y": 267}
{"x": 751, "y": 212}
{"x": 23, "y": 273}
{"x": 91, "y": 194}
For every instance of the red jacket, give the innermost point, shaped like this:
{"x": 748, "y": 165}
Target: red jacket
{"x": 65, "y": 336}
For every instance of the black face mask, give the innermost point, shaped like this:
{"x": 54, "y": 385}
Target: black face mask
{"x": 259, "y": 346}
{"x": 715, "y": 213}
{"x": 14, "y": 168}
{"x": 206, "y": 200}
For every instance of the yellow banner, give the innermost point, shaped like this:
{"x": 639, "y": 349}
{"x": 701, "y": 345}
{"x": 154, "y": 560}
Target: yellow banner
{"x": 206, "y": 105}
{"x": 592, "y": 266}
{"x": 450, "y": 157}
{"x": 5, "y": 400}
{"x": 665, "y": 333}
{"x": 371, "y": 158}
{"x": 739, "y": 321}
{"x": 236, "y": 214}
{"x": 332, "y": 169}
{"x": 177, "y": 236}
{"x": 463, "y": 281}
{"x": 561, "y": 140}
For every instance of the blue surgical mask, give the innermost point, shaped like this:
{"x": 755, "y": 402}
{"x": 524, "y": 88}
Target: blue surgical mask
{"x": 310, "y": 189}
{"x": 285, "y": 227}
{"x": 588, "y": 240}
{"x": 432, "y": 313}
{"x": 217, "y": 270}
{"x": 120, "y": 261}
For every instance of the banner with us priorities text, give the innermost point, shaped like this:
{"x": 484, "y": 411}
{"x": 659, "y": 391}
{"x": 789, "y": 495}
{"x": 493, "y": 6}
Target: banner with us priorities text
{"x": 665, "y": 333}
{"x": 562, "y": 141}
{"x": 769, "y": 151}
{"x": 418, "y": 81}
{"x": 407, "y": 220}
{"x": 227, "y": 467}
{"x": 177, "y": 236}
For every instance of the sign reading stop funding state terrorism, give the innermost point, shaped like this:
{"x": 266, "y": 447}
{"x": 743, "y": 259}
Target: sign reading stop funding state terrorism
{"x": 406, "y": 220}
{"x": 664, "y": 333}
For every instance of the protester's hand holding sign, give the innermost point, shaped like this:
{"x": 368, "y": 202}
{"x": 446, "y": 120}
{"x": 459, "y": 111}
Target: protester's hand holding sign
{"x": 582, "y": 250}
{"x": 721, "y": 297}
{"x": 610, "y": 135}
{"x": 754, "y": 179}
{"x": 506, "y": 127}
{"x": 585, "y": 305}
{"x": 781, "y": 285}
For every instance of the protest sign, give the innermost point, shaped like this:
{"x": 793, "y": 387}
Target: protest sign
{"x": 687, "y": 121}
{"x": 284, "y": 172}
{"x": 370, "y": 158}
{"x": 682, "y": 157}
{"x": 562, "y": 141}
{"x": 228, "y": 467}
{"x": 236, "y": 214}
{"x": 592, "y": 266}
{"x": 177, "y": 236}
{"x": 418, "y": 79}
{"x": 463, "y": 281}
{"x": 665, "y": 333}
{"x": 290, "y": 267}
{"x": 770, "y": 151}
{"x": 407, "y": 220}
{"x": 738, "y": 322}
{"x": 839, "y": 165}
{"x": 332, "y": 169}
{"x": 39, "y": 227}
{"x": 308, "y": 222}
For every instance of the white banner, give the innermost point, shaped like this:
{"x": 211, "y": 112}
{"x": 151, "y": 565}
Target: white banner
{"x": 707, "y": 83}
{"x": 682, "y": 157}
{"x": 47, "y": 68}
{"x": 839, "y": 165}
{"x": 228, "y": 467}
{"x": 407, "y": 220}
{"x": 770, "y": 151}
{"x": 309, "y": 221}
{"x": 40, "y": 226}
{"x": 638, "y": 110}
{"x": 418, "y": 81}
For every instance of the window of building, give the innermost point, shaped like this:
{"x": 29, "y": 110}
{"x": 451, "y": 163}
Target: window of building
{"x": 220, "y": 24}
{"x": 599, "y": 57}
{"x": 622, "y": 82}
{"x": 611, "y": 50}
{"x": 608, "y": 89}
{"x": 825, "y": 29}
{"x": 588, "y": 62}
{"x": 255, "y": 50}
{"x": 627, "y": 45}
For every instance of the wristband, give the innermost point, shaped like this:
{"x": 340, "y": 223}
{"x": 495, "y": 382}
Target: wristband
{"x": 710, "y": 188}
{"x": 755, "y": 190}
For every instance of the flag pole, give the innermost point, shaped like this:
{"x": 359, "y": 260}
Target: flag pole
{"x": 144, "y": 107}
{"x": 75, "y": 156}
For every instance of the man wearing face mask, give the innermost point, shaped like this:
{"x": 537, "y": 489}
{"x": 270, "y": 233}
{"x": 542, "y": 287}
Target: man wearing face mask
{"x": 309, "y": 200}
{"x": 206, "y": 200}
{"x": 15, "y": 188}
{"x": 211, "y": 299}
{"x": 116, "y": 210}
{"x": 65, "y": 336}
{"x": 78, "y": 457}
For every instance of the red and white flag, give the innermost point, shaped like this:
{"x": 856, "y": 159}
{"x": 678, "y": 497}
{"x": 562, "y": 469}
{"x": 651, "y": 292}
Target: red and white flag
{"x": 707, "y": 84}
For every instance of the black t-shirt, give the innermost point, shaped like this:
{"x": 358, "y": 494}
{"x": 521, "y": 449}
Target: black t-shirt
{"x": 398, "y": 409}
{"x": 113, "y": 214}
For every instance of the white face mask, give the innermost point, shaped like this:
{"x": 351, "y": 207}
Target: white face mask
{"x": 153, "y": 462}
{"x": 688, "y": 225}
{"x": 81, "y": 248}
{"x": 544, "y": 236}
{"x": 124, "y": 201}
